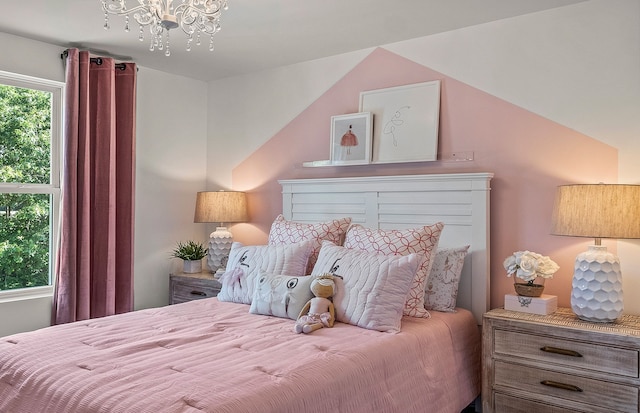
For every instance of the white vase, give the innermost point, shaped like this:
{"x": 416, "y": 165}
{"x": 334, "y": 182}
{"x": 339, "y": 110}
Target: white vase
{"x": 191, "y": 267}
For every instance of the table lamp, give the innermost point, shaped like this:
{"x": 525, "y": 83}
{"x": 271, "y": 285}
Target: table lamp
{"x": 220, "y": 207}
{"x": 597, "y": 211}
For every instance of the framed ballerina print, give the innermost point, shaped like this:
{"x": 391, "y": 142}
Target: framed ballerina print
{"x": 406, "y": 121}
{"x": 351, "y": 139}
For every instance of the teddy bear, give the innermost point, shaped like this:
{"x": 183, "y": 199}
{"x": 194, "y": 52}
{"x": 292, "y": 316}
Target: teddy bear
{"x": 319, "y": 311}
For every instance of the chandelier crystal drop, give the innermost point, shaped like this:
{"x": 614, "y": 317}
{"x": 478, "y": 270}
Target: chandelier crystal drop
{"x": 194, "y": 17}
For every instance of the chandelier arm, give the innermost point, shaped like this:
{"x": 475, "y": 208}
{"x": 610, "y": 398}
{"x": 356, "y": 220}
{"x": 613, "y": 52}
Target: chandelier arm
{"x": 206, "y": 20}
{"x": 119, "y": 8}
{"x": 143, "y": 14}
{"x": 193, "y": 25}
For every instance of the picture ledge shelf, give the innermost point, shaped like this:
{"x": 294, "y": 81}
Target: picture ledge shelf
{"x": 449, "y": 157}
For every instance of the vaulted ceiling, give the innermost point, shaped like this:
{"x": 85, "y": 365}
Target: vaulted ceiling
{"x": 259, "y": 34}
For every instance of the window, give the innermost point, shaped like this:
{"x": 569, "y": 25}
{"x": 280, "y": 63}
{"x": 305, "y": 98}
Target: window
{"x": 30, "y": 114}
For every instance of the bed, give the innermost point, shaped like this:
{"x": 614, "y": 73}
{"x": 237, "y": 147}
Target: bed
{"x": 212, "y": 355}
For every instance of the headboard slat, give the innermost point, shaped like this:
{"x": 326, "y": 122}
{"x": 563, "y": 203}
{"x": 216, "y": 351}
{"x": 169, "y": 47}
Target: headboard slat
{"x": 461, "y": 201}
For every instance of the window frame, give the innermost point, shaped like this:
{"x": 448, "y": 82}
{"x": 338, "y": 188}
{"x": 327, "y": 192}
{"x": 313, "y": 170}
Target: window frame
{"x": 53, "y": 189}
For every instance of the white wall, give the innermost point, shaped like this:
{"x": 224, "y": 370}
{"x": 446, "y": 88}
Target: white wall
{"x": 577, "y": 65}
{"x": 245, "y": 111}
{"x": 171, "y": 168}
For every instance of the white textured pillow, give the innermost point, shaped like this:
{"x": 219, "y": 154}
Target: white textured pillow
{"x": 246, "y": 263}
{"x": 281, "y": 295}
{"x": 373, "y": 288}
{"x": 441, "y": 289}
{"x": 285, "y": 232}
{"x": 422, "y": 240}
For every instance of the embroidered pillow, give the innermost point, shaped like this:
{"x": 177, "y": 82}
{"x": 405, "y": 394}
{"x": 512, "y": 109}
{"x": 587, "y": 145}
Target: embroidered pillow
{"x": 285, "y": 232}
{"x": 423, "y": 240}
{"x": 281, "y": 295}
{"x": 441, "y": 289}
{"x": 373, "y": 288}
{"x": 246, "y": 263}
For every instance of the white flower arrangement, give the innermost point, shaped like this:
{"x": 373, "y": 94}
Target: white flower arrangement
{"x": 528, "y": 265}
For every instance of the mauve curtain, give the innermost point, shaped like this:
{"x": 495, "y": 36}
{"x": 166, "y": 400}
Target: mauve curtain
{"x": 94, "y": 273}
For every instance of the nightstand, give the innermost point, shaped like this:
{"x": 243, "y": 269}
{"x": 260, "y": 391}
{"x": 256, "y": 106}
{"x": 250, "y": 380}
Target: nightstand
{"x": 186, "y": 287}
{"x": 558, "y": 363}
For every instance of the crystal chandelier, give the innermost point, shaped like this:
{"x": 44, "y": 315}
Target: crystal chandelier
{"x": 194, "y": 17}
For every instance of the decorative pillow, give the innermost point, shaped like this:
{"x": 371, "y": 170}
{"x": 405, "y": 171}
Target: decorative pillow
{"x": 285, "y": 232}
{"x": 441, "y": 290}
{"x": 373, "y": 288}
{"x": 246, "y": 263}
{"x": 422, "y": 240}
{"x": 281, "y": 295}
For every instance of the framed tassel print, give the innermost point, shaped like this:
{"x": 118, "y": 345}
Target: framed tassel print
{"x": 351, "y": 139}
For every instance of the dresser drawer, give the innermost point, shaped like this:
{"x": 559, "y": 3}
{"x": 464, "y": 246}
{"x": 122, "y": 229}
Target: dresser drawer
{"x": 547, "y": 383}
{"x": 600, "y": 358}
{"x": 509, "y": 404}
{"x": 182, "y": 291}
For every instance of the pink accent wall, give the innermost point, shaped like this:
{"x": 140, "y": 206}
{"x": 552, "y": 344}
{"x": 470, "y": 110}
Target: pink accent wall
{"x": 528, "y": 154}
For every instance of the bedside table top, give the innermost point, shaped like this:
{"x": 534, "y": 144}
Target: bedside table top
{"x": 563, "y": 317}
{"x": 204, "y": 275}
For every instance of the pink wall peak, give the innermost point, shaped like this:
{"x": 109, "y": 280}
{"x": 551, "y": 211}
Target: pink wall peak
{"x": 529, "y": 155}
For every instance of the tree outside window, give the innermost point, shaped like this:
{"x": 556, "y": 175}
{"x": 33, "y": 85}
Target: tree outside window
{"x": 27, "y": 190}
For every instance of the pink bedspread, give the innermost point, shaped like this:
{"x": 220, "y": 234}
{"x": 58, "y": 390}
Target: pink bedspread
{"x": 210, "y": 356}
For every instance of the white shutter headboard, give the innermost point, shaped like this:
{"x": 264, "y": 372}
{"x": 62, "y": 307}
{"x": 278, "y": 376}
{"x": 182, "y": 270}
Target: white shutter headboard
{"x": 461, "y": 201}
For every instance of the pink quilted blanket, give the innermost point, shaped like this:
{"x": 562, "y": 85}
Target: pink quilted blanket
{"x": 211, "y": 356}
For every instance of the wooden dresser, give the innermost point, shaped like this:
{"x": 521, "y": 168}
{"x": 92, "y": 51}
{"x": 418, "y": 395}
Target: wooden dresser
{"x": 558, "y": 363}
{"x": 186, "y": 287}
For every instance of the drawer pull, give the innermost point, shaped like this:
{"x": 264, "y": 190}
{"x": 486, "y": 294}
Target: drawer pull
{"x": 561, "y": 351}
{"x": 559, "y": 385}
{"x": 200, "y": 293}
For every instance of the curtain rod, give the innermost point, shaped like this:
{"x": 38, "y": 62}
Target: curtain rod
{"x": 98, "y": 61}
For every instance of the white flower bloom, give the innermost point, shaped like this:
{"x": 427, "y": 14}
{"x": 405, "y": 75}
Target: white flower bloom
{"x": 546, "y": 267}
{"x": 529, "y": 265}
{"x": 510, "y": 265}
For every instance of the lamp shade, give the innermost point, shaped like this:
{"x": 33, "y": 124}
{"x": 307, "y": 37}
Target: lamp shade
{"x": 221, "y": 206}
{"x": 597, "y": 211}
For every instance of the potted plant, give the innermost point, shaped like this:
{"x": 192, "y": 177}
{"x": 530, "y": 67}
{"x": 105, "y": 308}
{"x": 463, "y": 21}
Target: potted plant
{"x": 191, "y": 253}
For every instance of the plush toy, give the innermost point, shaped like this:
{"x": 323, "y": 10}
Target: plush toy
{"x": 319, "y": 311}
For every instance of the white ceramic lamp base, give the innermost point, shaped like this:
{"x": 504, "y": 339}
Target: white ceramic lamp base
{"x": 219, "y": 246}
{"x": 596, "y": 293}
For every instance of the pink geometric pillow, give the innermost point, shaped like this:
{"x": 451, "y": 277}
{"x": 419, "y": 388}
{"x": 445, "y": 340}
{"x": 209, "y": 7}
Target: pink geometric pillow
{"x": 441, "y": 289}
{"x": 285, "y": 232}
{"x": 423, "y": 240}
